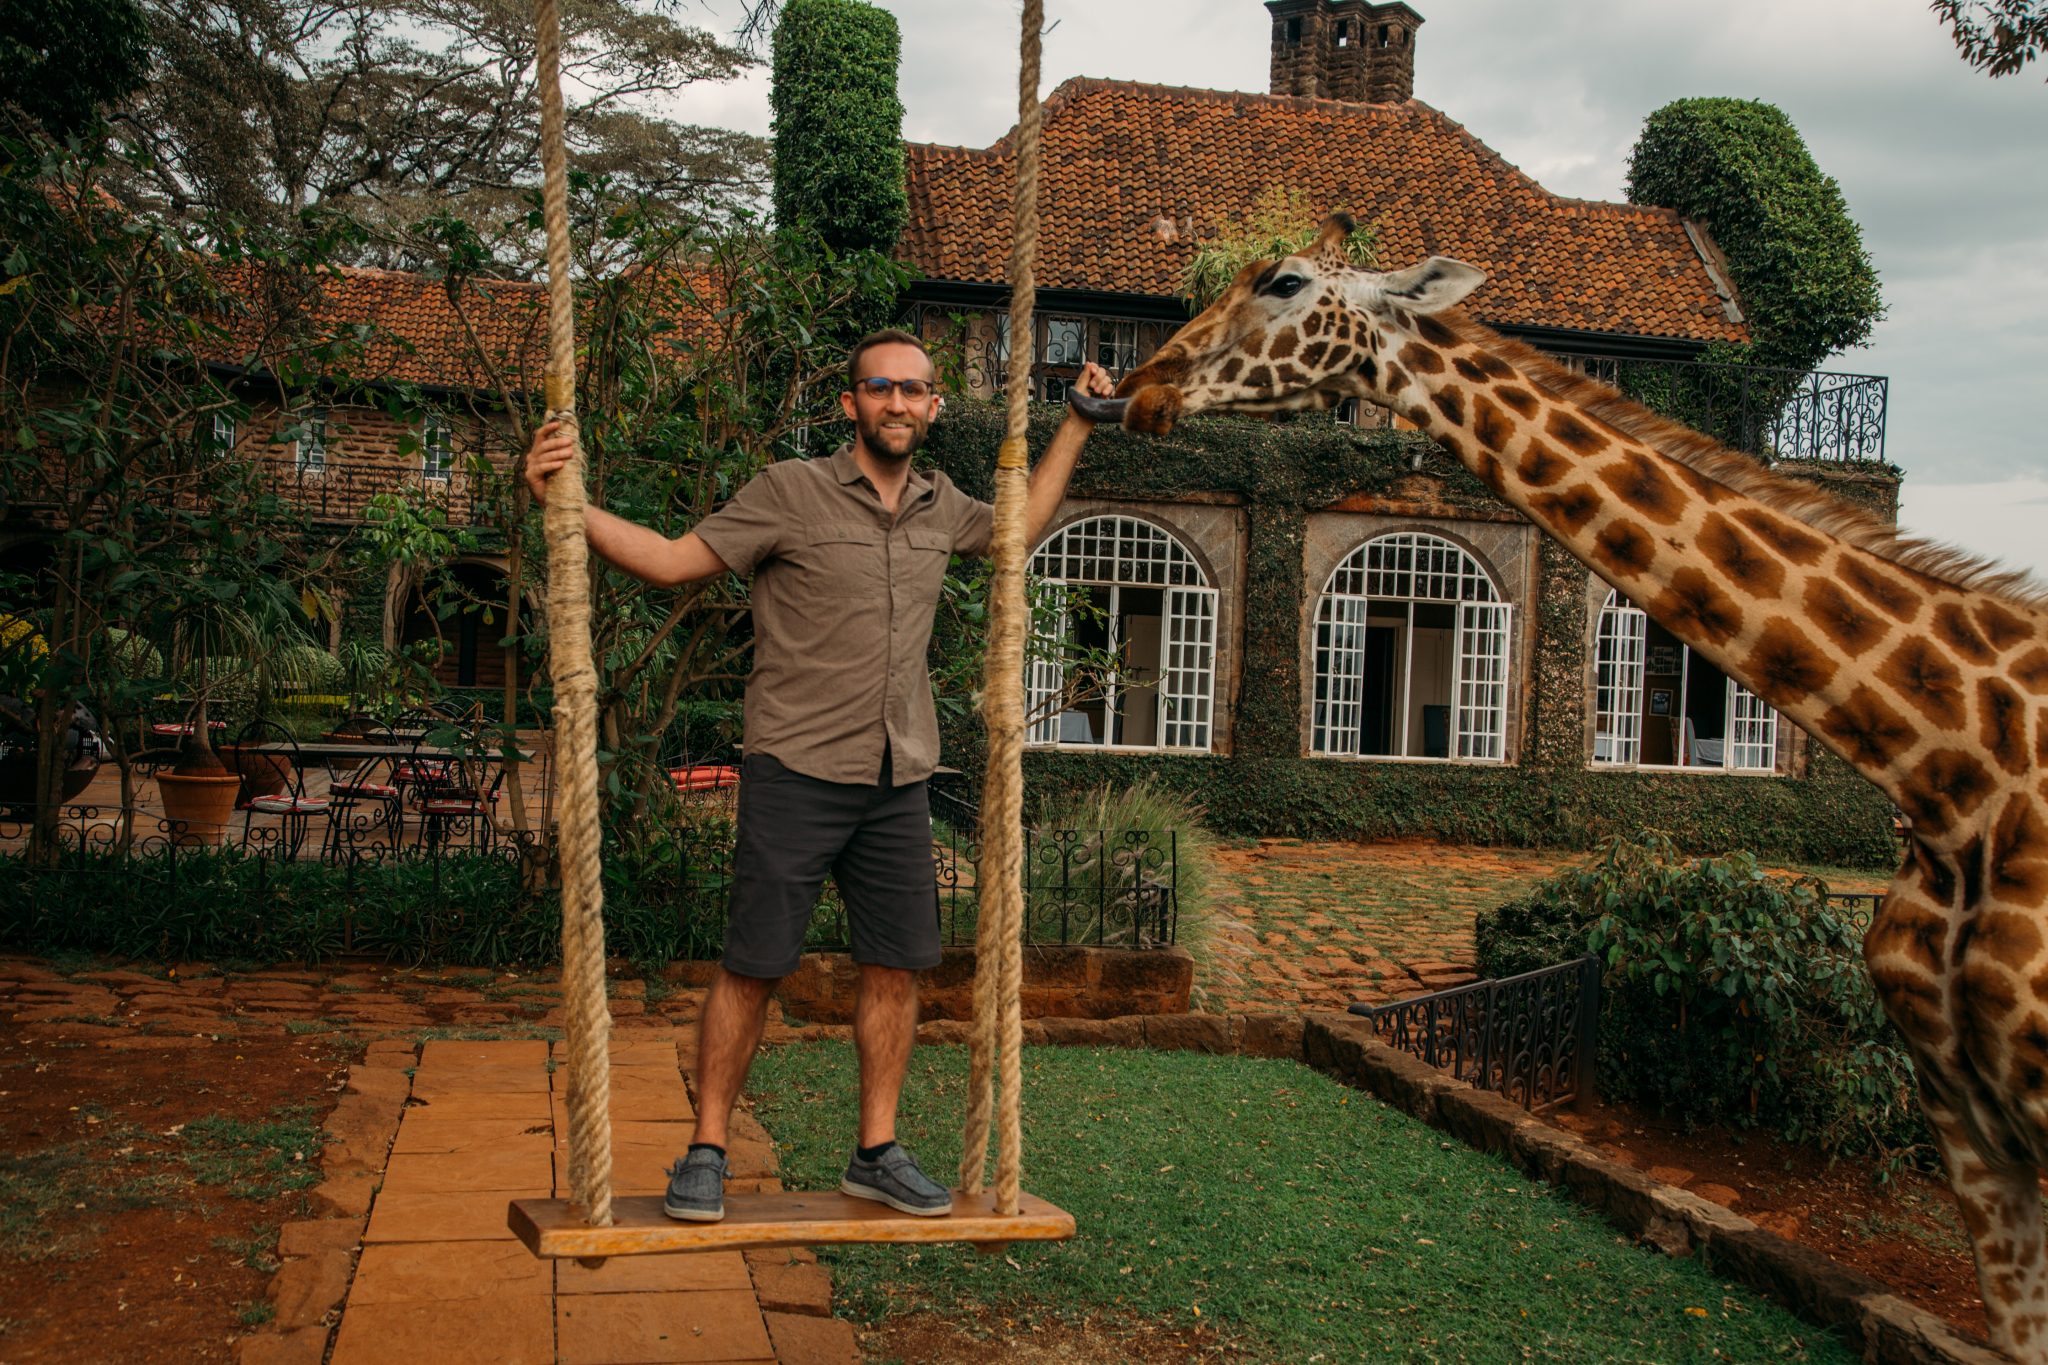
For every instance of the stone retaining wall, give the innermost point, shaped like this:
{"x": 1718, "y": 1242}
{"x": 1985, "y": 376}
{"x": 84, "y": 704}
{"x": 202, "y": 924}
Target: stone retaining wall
{"x": 1059, "y": 983}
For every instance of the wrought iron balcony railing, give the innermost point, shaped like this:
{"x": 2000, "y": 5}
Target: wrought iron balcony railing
{"x": 1770, "y": 413}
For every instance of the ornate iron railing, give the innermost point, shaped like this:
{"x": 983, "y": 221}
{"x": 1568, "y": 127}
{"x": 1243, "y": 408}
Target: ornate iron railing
{"x": 1775, "y": 414}
{"x": 1533, "y": 1038}
{"x": 1857, "y": 907}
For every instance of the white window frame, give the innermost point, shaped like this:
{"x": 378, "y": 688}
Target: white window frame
{"x": 1116, "y": 346}
{"x": 1413, "y": 567}
{"x": 221, "y": 433}
{"x": 1118, "y": 551}
{"x": 309, "y": 448}
{"x": 1749, "y": 743}
{"x": 437, "y": 448}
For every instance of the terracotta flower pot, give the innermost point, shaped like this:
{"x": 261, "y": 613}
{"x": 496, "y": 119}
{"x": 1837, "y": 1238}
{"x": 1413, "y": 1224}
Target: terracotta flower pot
{"x": 205, "y": 802}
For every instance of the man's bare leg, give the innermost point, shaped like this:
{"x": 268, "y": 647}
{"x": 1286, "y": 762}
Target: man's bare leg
{"x": 728, "y": 1035}
{"x": 884, "y": 1027}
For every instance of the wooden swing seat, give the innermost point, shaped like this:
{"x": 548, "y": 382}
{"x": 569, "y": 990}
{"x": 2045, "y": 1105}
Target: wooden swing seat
{"x": 555, "y": 1227}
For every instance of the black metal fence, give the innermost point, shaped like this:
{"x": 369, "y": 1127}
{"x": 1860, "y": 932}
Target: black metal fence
{"x": 1857, "y": 907}
{"x": 1533, "y": 1038}
{"x": 1107, "y": 888}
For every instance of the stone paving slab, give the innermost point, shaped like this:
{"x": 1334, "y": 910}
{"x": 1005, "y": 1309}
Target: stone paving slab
{"x": 460, "y": 1216}
{"x": 520, "y": 1168}
{"x": 498, "y": 1331}
{"x": 629, "y": 1329}
{"x": 633, "y": 1274}
{"x": 437, "y": 1272}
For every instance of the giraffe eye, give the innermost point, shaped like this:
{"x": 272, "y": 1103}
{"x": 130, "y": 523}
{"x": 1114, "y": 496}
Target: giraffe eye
{"x": 1286, "y": 287}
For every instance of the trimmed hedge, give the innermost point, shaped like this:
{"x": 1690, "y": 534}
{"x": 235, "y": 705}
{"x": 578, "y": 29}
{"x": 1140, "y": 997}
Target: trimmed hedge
{"x": 839, "y": 160}
{"x": 1281, "y": 472}
{"x": 1739, "y": 166}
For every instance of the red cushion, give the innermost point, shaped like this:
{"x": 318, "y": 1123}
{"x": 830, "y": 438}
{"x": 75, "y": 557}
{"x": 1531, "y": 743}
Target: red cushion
{"x": 453, "y": 808}
{"x": 377, "y": 789}
{"x": 704, "y": 777}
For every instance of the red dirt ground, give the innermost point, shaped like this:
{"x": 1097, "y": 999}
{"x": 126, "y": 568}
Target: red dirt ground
{"x": 1909, "y": 1236}
{"x": 112, "y": 1249}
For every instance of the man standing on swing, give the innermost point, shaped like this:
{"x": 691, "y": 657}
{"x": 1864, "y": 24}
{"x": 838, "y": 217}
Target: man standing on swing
{"x": 847, "y": 556}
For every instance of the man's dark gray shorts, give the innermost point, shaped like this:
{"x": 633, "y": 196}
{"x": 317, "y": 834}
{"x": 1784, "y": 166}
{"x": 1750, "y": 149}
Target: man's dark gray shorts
{"x": 876, "y": 841}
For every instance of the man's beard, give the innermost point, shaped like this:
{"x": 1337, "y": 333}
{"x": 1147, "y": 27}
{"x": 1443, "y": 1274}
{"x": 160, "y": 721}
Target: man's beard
{"x": 912, "y": 433}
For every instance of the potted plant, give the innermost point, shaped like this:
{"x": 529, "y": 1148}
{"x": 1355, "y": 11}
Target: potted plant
{"x": 223, "y": 648}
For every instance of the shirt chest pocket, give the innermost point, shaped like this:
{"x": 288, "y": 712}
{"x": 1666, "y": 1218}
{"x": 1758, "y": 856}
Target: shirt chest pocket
{"x": 927, "y": 553}
{"x": 842, "y": 559}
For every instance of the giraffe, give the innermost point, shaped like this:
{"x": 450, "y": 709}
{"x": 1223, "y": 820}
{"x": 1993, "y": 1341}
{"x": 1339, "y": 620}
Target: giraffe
{"x": 1923, "y": 668}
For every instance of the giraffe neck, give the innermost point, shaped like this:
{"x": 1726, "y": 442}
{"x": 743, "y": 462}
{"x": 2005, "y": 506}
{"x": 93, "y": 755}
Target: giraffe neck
{"x": 1900, "y": 674}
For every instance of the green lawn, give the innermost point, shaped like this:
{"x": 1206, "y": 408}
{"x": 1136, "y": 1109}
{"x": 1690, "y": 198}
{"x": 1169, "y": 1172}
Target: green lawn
{"x": 1302, "y": 1220}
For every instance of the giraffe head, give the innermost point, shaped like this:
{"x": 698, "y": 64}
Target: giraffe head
{"x": 1298, "y": 333}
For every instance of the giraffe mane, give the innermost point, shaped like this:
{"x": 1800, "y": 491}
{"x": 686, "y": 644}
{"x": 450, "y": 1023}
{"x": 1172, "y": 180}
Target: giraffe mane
{"x": 1820, "y": 510}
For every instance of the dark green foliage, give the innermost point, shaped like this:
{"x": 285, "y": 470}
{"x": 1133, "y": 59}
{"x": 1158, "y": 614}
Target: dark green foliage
{"x": 1280, "y": 472}
{"x": 1731, "y": 994}
{"x": 1739, "y": 166}
{"x": 61, "y": 61}
{"x": 1998, "y": 37}
{"x": 839, "y": 164}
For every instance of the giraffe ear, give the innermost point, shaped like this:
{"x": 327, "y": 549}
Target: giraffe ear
{"x": 1328, "y": 252}
{"x": 1432, "y": 286}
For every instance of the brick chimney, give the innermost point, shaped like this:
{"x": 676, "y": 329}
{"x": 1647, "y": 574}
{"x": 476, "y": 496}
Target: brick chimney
{"x": 1344, "y": 50}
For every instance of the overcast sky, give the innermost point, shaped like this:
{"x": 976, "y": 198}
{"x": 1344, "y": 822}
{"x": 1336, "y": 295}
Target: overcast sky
{"x": 1945, "y": 170}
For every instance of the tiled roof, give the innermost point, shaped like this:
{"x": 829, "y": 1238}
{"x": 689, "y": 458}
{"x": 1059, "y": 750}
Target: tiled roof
{"x": 1134, "y": 172}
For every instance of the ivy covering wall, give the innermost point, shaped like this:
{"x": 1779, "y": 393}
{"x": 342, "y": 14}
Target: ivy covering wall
{"x": 1280, "y": 473}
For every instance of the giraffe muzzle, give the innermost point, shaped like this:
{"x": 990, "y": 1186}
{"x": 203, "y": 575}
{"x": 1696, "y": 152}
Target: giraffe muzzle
{"x": 1097, "y": 409}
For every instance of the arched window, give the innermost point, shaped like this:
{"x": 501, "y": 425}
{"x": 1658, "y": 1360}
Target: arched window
{"x": 1128, "y": 592}
{"x": 1412, "y": 642}
{"x": 1659, "y": 705}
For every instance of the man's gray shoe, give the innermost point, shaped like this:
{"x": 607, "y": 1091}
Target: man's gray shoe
{"x": 893, "y": 1178}
{"x": 696, "y": 1187}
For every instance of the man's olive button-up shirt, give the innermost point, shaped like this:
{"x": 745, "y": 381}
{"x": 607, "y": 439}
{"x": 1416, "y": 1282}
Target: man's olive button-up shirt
{"x": 843, "y": 599}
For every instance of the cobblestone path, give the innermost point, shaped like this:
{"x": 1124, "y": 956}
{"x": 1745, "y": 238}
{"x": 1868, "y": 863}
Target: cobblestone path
{"x": 1326, "y": 925}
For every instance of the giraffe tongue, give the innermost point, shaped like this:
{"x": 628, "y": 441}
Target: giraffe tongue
{"x": 1097, "y": 409}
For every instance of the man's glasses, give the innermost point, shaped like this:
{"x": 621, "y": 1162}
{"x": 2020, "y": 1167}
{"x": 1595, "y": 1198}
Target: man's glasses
{"x": 879, "y": 388}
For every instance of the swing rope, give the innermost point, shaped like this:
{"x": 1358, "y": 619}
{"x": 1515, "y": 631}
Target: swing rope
{"x": 588, "y": 1022}
{"x": 998, "y": 1036}
{"x": 998, "y": 1020}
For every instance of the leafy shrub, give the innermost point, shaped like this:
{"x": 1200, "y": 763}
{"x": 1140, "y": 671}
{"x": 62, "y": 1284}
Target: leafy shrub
{"x": 1730, "y": 994}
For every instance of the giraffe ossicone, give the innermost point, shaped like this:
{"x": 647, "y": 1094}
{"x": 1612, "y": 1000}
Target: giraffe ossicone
{"x": 1924, "y": 668}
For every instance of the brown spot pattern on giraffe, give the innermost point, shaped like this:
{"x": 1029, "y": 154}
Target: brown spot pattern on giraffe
{"x": 1285, "y": 342}
{"x": 1449, "y": 404}
{"x": 1232, "y": 368}
{"x": 2002, "y": 628}
{"x": 1397, "y": 378}
{"x": 1795, "y": 543}
{"x": 1912, "y": 932}
{"x": 2030, "y": 1055}
{"x": 1521, "y": 400}
{"x": 1431, "y": 330}
{"x": 2018, "y": 853}
{"x": 1421, "y": 359}
{"x": 2030, "y": 670}
{"x": 1469, "y": 370}
{"x": 1868, "y": 728}
{"x": 1946, "y": 786}
{"x": 1312, "y": 354}
{"x": 1694, "y": 608}
{"x": 1259, "y": 379}
{"x": 1291, "y": 378}
{"x": 1312, "y": 324}
{"x": 2002, "y": 724}
{"x": 1925, "y": 679}
{"x": 1623, "y": 547}
{"x": 1785, "y": 667}
{"x": 1914, "y": 1003}
{"x": 1574, "y": 434}
{"x": 1493, "y": 427}
{"x": 1953, "y": 627}
{"x": 1541, "y": 466}
{"x": 1745, "y": 562}
{"x": 1883, "y": 591}
{"x": 1570, "y": 508}
{"x": 1843, "y": 620}
{"x": 1637, "y": 481}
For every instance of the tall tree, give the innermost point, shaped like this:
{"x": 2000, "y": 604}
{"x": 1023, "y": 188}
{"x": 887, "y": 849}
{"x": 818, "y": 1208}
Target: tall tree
{"x": 61, "y": 60}
{"x": 401, "y": 110}
{"x": 1998, "y": 37}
